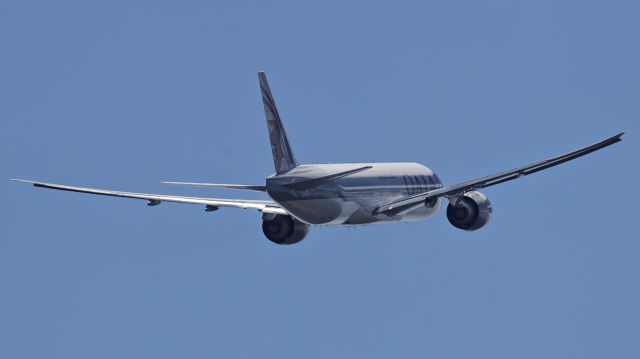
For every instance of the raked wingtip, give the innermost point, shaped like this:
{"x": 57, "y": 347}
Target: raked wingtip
{"x": 21, "y": 180}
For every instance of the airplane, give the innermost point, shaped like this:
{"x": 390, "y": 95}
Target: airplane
{"x": 348, "y": 193}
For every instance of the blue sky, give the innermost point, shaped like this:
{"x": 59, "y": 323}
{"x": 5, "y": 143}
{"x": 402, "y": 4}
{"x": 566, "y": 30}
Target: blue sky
{"x": 125, "y": 94}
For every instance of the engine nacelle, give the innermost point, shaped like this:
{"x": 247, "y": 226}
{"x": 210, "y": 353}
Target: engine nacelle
{"x": 472, "y": 212}
{"x": 283, "y": 229}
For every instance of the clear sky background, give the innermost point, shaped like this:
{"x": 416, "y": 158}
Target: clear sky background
{"x": 125, "y": 94}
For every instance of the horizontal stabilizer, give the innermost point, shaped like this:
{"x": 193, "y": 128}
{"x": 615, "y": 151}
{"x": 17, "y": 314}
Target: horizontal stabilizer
{"x": 221, "y": 185}
{"x": 310, "y": 183}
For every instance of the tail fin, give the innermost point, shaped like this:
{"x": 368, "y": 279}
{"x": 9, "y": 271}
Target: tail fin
{"x": 283, "y": 158}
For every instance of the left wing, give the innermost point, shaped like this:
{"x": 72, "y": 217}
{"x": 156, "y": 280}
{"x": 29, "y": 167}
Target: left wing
{"x": 211, "y": 204}
{"x": 455, "y": 191}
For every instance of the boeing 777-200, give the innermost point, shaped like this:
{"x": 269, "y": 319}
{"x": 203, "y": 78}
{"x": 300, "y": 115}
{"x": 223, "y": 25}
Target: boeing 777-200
{"x": 348, "y": 193}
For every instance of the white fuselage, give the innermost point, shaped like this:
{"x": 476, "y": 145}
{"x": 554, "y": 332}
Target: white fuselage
{"x": 352, "y": 199}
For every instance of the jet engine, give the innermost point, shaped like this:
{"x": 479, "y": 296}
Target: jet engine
{"x": 283, "y": 229}
{"x": 472, "y": 211}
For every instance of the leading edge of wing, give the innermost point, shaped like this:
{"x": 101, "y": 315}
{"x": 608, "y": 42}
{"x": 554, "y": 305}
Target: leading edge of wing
{"x": 262, "y": 206}
{"x": 497, "y": 178}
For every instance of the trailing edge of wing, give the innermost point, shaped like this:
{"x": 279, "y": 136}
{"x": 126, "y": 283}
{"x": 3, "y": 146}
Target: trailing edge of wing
{"x": 154, "y": 199}
{"x": 497, "y": 178}
{"x": 221, "y": 185}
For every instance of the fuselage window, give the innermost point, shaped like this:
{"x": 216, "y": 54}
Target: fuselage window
{"x": 432, "y": 183}
{"x": 413, "y": 186}
{"x": 423, "y": 184}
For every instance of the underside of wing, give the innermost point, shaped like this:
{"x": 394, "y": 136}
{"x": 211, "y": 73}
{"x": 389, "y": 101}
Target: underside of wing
{"x": 455, "y": 191}
{"x": 210, "y": 204}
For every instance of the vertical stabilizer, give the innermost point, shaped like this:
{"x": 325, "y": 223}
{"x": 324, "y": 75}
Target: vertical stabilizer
{"x": 283, "y": 158}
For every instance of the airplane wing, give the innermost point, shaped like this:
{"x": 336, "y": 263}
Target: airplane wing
{"x": 453, "y": 192}
{"x": 211, "y": 204}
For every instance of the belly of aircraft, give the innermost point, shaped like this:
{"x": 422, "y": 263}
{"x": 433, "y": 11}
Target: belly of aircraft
{"x": 336, "y": 211}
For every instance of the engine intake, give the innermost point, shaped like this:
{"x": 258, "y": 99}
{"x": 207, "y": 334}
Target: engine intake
{"x": 283, "y": 229}
{"x": 472, "y": 212}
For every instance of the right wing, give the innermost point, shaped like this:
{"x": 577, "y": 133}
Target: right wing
{"x": 456, "y": 190}
{"x": 155, "y": 199}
